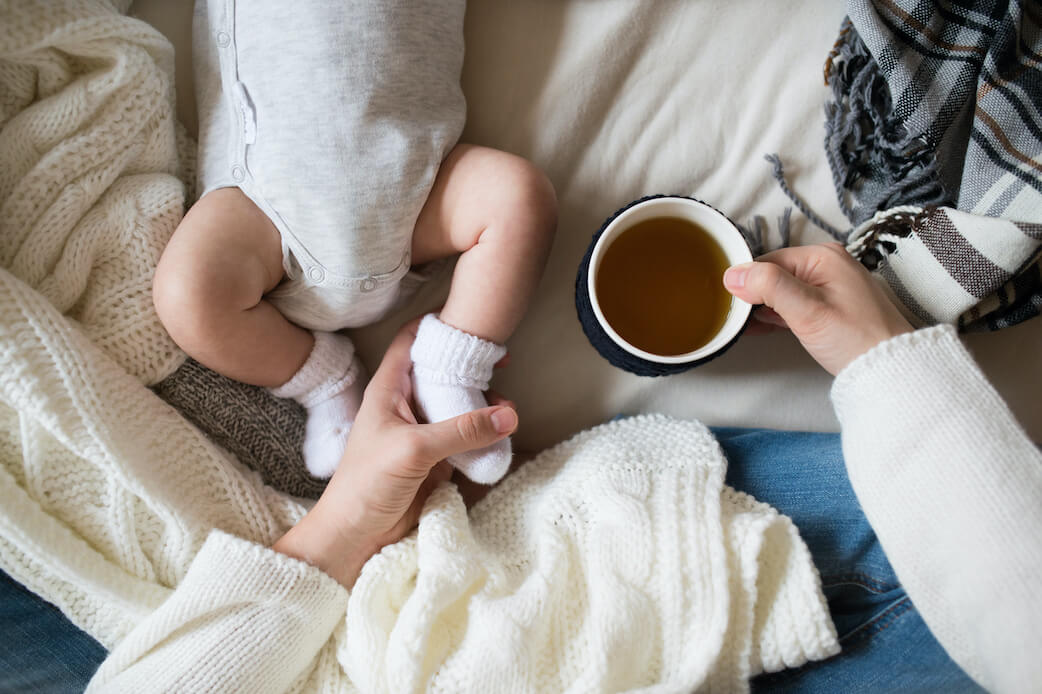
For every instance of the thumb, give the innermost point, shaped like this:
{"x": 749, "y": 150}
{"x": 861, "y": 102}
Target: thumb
{"x": 468, "y": 432}
{"x": 774, "y": 286}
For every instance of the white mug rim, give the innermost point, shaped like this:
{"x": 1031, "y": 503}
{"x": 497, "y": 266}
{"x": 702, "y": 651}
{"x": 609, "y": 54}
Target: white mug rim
{"x": 723, "y": 231}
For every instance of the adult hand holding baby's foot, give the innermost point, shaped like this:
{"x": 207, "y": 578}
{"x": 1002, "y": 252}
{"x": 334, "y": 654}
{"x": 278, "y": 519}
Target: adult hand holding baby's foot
{"x": 451, "y": 370}
{"x": 391, "y": 465}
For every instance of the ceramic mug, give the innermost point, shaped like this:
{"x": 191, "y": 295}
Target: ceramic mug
{"x": 608, "y": 342}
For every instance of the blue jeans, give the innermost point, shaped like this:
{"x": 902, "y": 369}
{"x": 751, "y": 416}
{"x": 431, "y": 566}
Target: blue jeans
{"x": 42, "y": 651}
{"x": 886, "y": 645}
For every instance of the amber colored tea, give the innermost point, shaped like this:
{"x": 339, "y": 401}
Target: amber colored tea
{"x": 660, "y": 286}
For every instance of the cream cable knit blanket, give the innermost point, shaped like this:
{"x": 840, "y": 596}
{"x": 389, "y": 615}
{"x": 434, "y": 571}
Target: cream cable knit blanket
{"x": 89, "y": 187}
{"x": 615, "y": 560}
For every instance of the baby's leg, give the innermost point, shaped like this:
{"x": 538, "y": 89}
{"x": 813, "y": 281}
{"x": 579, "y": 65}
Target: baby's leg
{"x": 209, "y": 286}
{"x": 500, "y": 212}
{"x": 209, "y": 292}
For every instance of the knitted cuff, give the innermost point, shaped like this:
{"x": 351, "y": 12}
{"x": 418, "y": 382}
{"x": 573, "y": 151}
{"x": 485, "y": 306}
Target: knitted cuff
{"x": 443, "y": 354}
{"x": 250, "y": 571}
{"x": 330, "y": 368}
{"x": 899, "y": 362}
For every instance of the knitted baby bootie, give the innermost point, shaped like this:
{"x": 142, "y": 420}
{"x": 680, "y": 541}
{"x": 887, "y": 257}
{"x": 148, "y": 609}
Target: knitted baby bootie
{"x": 451, "y": 370}
{"x": 329, "y": 385}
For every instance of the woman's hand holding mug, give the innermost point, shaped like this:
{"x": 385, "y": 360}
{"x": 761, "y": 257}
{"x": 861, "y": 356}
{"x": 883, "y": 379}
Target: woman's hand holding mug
{"x": 827, "y": 299}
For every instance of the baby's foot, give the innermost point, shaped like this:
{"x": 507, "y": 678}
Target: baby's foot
{"x": 329, "y": 385}
{"x": 451, "y": 369}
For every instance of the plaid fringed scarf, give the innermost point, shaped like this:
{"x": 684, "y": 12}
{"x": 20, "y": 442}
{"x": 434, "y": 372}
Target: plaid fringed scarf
{"x": 935, "y": 144}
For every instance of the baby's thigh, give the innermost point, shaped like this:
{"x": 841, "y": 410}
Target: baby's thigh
{"x": 225, "y": 247}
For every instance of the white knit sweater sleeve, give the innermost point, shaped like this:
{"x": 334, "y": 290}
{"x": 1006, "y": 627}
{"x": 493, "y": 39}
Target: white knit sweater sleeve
{"x": 953, "y": 488}
{"x": 245, "y": 618}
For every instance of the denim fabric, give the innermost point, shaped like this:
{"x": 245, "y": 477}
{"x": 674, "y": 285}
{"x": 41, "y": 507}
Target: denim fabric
{"x": 43, "y": 652}
{"x": 886, "y": 645}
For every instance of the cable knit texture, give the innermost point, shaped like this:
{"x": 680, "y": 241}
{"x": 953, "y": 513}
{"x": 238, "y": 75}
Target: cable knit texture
{"x": 106, "y": 493}
{"x": 951, "y": 484}
{"x": 89, "y": 188}
{"x": 278, "y": 637}
{"x": 616, "y": 560}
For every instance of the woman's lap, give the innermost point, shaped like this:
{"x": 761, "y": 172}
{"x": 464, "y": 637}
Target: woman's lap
{"x": 886, "y": 645}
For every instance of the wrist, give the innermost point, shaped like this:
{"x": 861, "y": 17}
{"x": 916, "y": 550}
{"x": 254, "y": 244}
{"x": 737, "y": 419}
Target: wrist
{"x": 319, "y": 541}
{"x": 883, "y": 333}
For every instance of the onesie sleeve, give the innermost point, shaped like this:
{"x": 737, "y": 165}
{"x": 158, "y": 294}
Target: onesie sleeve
{"x": 245, "y": 618}
{"x": 952, "y": 486}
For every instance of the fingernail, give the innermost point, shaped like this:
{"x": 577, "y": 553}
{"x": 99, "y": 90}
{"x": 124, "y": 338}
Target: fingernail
{"x": 735, "y": 275}
{"x": 504, "y": 420}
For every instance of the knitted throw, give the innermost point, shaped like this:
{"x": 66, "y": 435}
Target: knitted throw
{"x": 935, "y": 144}
{"x": 616, "y": 559}
{"x": 95, "y": 496}
{"x": 89, "y": 187}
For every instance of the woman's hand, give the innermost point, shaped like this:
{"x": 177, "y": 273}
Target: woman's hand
{"x": 390, "y": 466}
{"x": 829, "y": 300}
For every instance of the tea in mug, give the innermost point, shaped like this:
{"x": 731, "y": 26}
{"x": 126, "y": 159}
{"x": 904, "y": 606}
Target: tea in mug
{"x": 660, "y": 286}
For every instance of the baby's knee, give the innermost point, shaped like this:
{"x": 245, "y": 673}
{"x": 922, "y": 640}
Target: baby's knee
{"x": 214, "y": 268}
{"x": 193, "y": 297}
{"x": 529, "y": 195}
{"x": 179, "y": 294}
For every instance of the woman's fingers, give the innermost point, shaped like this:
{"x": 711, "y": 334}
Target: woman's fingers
{"x": 829, "y": 301}
{"x": 438, "y": 474}
{"x": 396, "y": 361}
{"x": 768, "y": 316}
{"x": 467, "y": 432}
{"x": 774, "y": 286}
{"x": 496, "y": 398}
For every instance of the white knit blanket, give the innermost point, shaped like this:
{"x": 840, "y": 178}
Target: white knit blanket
{"x": 89, "y": 166}
{"x": 616, "y": 560}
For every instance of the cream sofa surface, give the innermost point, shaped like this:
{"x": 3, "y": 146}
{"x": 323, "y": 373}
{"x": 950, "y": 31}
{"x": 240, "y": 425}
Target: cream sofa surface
{"x": 617, "y": 99}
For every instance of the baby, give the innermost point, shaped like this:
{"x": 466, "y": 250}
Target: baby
{"x": 329, "y": 175}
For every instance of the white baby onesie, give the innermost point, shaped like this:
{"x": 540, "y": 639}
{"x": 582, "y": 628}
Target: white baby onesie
{"x": 333, "y": 117}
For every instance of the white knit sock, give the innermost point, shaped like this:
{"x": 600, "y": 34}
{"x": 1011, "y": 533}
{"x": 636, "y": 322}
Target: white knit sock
{"x": 451, "y": 369}
{"x": 329, "y": 385}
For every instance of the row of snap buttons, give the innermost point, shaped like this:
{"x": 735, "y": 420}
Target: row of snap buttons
{"x": 317, "y": 274}
{"x": 224, "y": 40}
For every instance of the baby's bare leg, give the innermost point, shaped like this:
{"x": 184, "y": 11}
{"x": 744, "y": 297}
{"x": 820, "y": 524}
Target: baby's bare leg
{"x": 209, "y": 293}
{"x": 209, "y": 286}
{"x": 500, "y": 212}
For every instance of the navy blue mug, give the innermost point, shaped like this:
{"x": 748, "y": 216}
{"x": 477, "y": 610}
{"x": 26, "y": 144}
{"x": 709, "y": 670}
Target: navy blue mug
{"x": 605, "y": 339}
